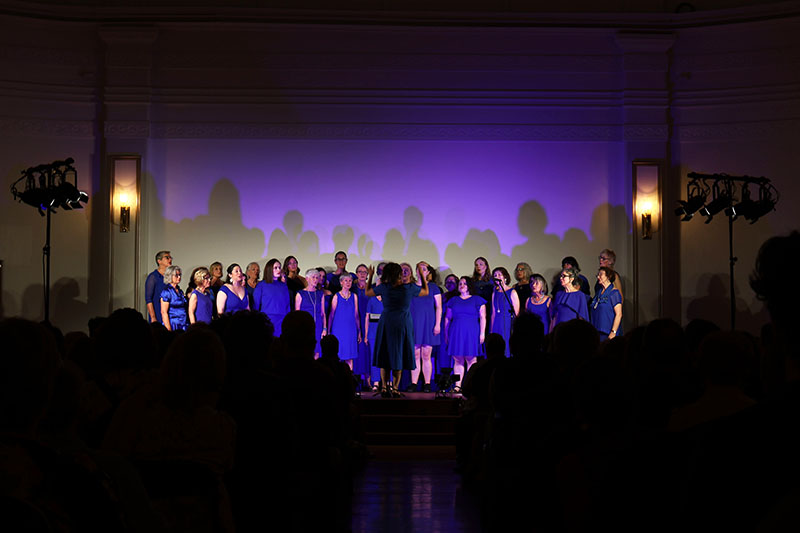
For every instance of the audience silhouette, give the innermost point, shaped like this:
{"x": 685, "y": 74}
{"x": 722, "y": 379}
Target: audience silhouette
{"x": 224, "y": 427}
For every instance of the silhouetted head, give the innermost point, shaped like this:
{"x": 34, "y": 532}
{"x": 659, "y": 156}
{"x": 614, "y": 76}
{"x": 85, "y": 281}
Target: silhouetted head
{"x": 392, "y": 274}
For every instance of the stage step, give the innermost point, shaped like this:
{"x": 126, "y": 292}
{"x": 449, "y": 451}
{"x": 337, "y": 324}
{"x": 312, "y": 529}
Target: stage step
{"x": 409, "y": 421}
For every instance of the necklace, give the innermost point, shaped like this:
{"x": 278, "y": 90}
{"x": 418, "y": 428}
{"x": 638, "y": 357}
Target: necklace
{"x": 312, "y": 295}
{"x": 538, "y": 299}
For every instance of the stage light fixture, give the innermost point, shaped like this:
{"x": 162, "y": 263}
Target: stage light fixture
{"x": 744, "y": 207}
{"x": 767, "y": 198}
{"x": 690, "y": 206}
{"x": 721, "y": 199}
{"x": 47, "y": 187}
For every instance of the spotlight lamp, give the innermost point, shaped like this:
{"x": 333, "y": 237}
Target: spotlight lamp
{"x": 721, "y": 199}
{"x": 696, "y": 194}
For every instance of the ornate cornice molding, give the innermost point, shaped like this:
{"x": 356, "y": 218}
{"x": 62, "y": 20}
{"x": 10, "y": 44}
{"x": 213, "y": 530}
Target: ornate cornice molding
{"x": 739, "y": 131}
{"x": 646, "y": 132}
{"x": 127, "y": 129}
{"x": 385, "y": 131}
{"x": 32, "y": 127}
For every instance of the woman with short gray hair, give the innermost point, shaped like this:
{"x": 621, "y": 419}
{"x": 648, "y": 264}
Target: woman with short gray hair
{"x": 173, "y": 302}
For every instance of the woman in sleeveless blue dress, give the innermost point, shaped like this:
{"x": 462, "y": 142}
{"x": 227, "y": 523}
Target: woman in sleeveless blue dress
{"x": 344, "y": 321}
{"x": 173, "y": 301}
{"x": 569, "y": 303}
{"x": 232, "y": 296}
{"x": 426, "y": 317}
{"x": 502, "y": 320}
{"x": 539, "y": 303}
{"x": 374, "y": 310}
{"x": 364, "y": 362}
{"x": 312, "y": 301}
{"x": 201, "y": 303}
{"x": 394, "y": 342}
{"x": 465, "y": 327}
{"x": 271, "y": 295}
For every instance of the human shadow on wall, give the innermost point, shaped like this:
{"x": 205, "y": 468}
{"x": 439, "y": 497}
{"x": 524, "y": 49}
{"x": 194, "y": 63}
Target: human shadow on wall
{"x": 417, "y": 248}
{"x": 66, "y": 309}
{"x": 476, "y": 243}
{"x": 293, "y": 240}
{"x": 715, "y": 305}
{"x": 218, "y": 235}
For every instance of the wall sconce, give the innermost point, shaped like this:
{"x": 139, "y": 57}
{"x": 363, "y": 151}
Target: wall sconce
{"x": 647, "y": 220}
{"x": 124, "y": 213}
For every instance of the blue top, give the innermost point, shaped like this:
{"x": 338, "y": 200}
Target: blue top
{"x": 394, "y": 341}
{"x": 272, "y": 299}
{"x": 502, "y": 318}
{"x": 233, "y": 303}
{"x": 543, "y": 311}
{"x": 569, "y": 305}
{"x": 153, "y": 286}
{"x": 313, "y": 302}
{"x": 204, "y": 309}
{"x": 603, "y": 310}
{"x": 423, "y": 316}
{"x": 178, "y": 304}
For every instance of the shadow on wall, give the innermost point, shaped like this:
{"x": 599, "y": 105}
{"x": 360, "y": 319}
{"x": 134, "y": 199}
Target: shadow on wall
{"x": 66, "y": 308}
{"x": 715, "y": 305}
{"x": 216, "y": 236}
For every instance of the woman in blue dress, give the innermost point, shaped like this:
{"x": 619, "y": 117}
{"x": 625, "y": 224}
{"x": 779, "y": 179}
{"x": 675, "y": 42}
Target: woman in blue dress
{"x": 363, "y": 363}
{"x": 374, "y": 309}
{"x": 173, "y": 301}
{"x": 540, "y": 303}
{"x": 394, "y": 341}
{"x": 426, "y": 316}
{"x": 344, "y": 320}
{"x": 502, "y": 317}
{"x": 607, "y": 305}
{"x": 465, "y": 328}
{"x": 271, "y": 295}
{"x": 232, "y": 296}
{"x": 312, "y": 301}
{"x": 201, "y": 303}
{"x": 569, "y": 303}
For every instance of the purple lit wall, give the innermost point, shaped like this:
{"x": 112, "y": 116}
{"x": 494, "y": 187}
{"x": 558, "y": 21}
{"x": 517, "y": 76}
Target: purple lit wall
{"x": 442, "y": 201}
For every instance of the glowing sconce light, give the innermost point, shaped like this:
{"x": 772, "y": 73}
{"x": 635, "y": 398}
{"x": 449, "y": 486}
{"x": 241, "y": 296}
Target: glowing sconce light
{"x": 124, "y": 213}
{"x": 646, "y": 209}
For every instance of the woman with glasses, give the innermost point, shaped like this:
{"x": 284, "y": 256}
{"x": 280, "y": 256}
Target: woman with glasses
{"x": 607, "y": 305}
{"x": 173, "y": 301}
{"x": 569, "y": 303}
{"x": 201, "y": 302}
{"x": 523, "y": 273}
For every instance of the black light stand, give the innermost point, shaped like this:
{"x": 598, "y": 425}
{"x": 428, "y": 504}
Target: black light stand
{"x": 709, "y": 194}
{"x": 47, "y": 187}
